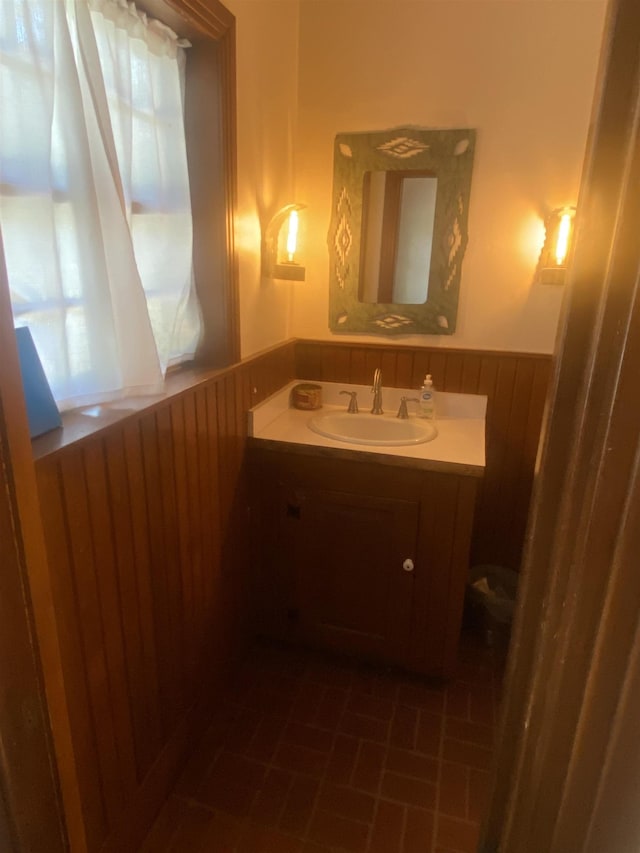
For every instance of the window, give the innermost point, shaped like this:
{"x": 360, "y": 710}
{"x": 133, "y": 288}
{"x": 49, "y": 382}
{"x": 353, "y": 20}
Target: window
{"x": 96, "y": 214}
{"x": 142, "y": 65}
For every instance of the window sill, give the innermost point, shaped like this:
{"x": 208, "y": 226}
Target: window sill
{"x": 82, "y": 424}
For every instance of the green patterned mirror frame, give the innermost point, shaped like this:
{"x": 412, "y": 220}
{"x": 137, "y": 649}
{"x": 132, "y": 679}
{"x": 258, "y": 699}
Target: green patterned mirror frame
{"x": 448, "y": 155}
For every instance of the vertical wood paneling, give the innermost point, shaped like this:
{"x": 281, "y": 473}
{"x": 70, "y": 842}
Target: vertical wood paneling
{"x": 146, "y": 527}
{"x": 211, "y": 501}
{"x": 373, "y": 360}
{"x": 421, "y": 367}
{"x": 491, "y": 526}
{"x": 341, "y": 369}
{"x": 453, "y": 370}
{"x": 86, "y": 599}
{"x": 359, "y": 372}
{"x": 225, "y": 461}
{"x": 437, "y": 369}
{"x": 184, "y": 564}
{"x": 223, "y": 592}
{"x": 133, "y": 485}
{"x": 279, "y": 368}
{"x": 516, "y": 386}
{"x": 233, "y": 428}
{"x": 167, "y": 486}
{"x": 331, "y": 365}
{"x": 81, "y": 720}
{"x": 191, "y": 546}
{"x": 516, "y": 472}
{"x": 389, "y": 365}
{"x": 489, "y": 366}
{"x": 109, "y": 601}
{"x": 404, "y": 369}
{"x": 158, "y": 572}
{"x": 139, "y": 669}
{"x": 243, "y": 403}
{"x": 308, "y": 362}
{"x": 470, "y": 374}
{"x": 536, "y": 408}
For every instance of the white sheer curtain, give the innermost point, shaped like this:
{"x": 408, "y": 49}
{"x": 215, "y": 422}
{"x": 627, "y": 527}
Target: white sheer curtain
{"x": 94, "y": 198}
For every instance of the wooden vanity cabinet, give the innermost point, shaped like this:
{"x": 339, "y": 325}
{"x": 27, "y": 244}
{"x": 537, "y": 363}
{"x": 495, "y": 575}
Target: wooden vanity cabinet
{"x": 335, "y": 538}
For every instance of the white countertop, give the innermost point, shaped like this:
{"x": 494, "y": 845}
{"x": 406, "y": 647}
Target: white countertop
{"x": 460, "y": 421}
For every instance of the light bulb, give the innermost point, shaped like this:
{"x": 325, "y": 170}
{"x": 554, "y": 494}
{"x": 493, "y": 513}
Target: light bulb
{"x": 562, "y": 243}
{"x": 292, "y": 236}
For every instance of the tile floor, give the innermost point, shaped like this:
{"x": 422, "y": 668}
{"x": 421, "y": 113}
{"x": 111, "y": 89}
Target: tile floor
{"x": 310, "y": 754}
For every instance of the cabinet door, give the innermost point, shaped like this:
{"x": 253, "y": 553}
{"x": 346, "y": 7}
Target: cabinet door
{"x": 351, "y": 591}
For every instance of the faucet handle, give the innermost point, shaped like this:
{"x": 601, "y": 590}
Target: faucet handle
{"x": 403, "y": 413}
{"x": 353, "y": 402}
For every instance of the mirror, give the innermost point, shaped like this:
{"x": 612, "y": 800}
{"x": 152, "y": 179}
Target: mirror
{"x": 398, "y": 230}
{"x": 398, "y": 209}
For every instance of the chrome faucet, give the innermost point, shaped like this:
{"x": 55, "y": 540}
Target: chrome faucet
{"x": 377, "y": 393}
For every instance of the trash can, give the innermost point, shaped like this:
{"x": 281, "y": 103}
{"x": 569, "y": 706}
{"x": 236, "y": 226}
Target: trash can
{"x": 491, "y": 600}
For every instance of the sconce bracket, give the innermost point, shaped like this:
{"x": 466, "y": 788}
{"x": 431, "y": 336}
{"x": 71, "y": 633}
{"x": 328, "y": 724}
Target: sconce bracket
{"x": 289, "y": 272}
{"x": 553, "y": 276}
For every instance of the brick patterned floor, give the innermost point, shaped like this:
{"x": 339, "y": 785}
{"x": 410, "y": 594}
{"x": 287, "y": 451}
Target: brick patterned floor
{"x": 310, "y": 754}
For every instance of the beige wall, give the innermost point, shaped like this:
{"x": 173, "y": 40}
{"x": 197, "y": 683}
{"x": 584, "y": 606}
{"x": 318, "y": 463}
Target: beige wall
{"x": 520, "y": 72}
{"x": 267, "y": 85}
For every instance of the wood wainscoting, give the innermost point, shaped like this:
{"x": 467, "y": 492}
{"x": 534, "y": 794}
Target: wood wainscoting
{"x": 146, "y": 530}
{"x": 149, "y": 543}
{"x": 516, "y": 385}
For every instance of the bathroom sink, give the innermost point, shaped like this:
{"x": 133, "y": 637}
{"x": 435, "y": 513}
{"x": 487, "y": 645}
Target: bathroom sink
{"x": 385, "y": 430}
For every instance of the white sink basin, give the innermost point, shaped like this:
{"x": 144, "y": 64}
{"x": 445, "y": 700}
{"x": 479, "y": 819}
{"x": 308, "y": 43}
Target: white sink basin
{"x": 385, "y": 430}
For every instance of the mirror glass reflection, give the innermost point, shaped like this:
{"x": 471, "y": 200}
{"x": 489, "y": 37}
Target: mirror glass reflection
{"x": 398, "y": 211}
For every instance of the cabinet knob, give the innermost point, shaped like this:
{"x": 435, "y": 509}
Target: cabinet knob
{"x": 408, "y": 565}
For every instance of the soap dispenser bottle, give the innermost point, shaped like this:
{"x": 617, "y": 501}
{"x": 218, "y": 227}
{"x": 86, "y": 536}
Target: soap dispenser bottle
{"x": 427, "y": 399}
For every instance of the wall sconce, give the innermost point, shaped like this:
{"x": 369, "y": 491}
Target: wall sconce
{"x": 552, "y": 263}
{"x": 280, "y": 244}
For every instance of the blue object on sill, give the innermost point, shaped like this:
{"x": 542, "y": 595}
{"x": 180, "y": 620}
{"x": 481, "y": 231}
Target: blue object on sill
{"x": 42, "y": 411}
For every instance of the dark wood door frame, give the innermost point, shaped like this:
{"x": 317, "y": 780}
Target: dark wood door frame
{"x": 31, "y": 814}
{"x": 567, "y": 763}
